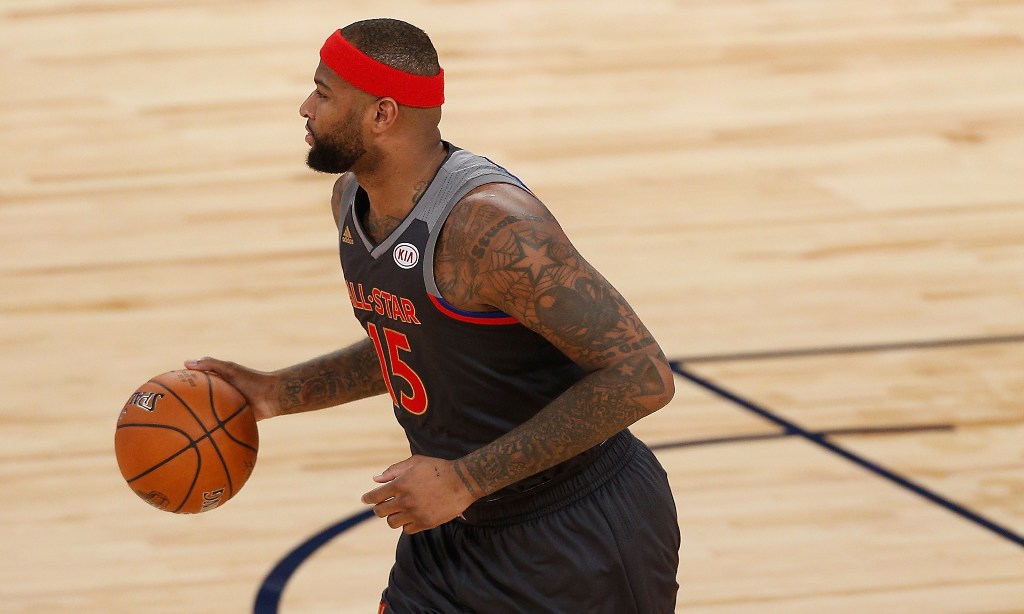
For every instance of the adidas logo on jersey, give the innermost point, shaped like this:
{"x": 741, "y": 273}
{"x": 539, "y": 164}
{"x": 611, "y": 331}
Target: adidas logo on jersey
{"x": 346, "y": 236}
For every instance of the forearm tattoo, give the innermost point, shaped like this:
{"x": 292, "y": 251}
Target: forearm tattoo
{"x": 339, "y": 377}
{"x": 597, "y": 407}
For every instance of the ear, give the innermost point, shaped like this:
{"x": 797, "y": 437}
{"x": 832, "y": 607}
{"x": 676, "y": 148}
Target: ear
{"x": 385, "y": 114}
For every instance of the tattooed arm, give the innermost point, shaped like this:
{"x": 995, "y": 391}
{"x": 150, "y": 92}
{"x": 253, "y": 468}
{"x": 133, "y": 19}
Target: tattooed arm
{"x": 502, "y": 249}
{"x": 332, "y": 379}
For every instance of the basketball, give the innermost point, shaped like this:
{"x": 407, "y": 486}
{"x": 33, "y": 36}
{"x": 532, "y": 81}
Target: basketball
{"x": 186, "y": 441}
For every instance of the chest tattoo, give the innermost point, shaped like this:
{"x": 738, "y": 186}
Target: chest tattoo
{"x": 380, "y": 226}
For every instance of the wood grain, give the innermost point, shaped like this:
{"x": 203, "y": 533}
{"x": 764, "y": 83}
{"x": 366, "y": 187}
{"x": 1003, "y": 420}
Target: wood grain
{"x": 753, "y": 176}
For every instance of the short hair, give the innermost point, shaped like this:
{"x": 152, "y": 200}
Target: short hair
{"x": 396, "y": 43}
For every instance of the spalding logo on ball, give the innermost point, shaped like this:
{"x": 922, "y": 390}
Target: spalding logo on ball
{"x": 186, "y": 441}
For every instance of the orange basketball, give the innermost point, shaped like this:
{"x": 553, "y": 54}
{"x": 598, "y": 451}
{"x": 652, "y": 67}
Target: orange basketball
{"x": 186, "y": 441}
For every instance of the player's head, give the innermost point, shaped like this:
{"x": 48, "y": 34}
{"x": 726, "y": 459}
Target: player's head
{"x": 377, "y": 80}
{"x": 395, "y": 43}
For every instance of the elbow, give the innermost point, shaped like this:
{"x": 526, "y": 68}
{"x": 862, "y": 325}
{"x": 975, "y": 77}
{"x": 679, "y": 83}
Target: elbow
{"x": 667, "y": 384}
{"x": 644, "y": 381}
{"x": 658, "y": 386}
{"x": 670, "y": 386}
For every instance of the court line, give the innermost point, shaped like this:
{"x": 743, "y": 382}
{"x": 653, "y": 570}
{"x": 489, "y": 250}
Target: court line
{"x": 855, "y": 349}
{"x": 822, "y": 441}
{"x": 268, "y": 598}
{"x": 879, "y": 430}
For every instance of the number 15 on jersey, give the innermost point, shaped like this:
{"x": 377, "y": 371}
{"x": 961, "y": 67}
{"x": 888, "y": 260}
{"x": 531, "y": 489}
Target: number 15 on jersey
{"x": 391, "y": 363}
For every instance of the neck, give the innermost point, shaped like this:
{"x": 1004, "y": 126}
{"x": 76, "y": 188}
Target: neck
{"x": 400, "y": 177}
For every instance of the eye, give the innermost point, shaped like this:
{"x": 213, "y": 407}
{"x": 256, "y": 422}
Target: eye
{"x": 319, "y": 94}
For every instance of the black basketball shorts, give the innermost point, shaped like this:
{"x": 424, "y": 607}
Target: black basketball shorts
{"x": 603, "y": 540}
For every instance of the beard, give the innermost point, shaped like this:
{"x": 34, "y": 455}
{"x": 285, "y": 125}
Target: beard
{"x": 336, "y": 153}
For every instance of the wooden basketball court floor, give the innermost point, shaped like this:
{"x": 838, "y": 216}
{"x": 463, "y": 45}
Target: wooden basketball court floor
{"x": 818, "y": 208}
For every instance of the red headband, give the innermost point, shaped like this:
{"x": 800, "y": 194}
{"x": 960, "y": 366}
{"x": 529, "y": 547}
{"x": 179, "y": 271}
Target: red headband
{"x": 379, "y": 79}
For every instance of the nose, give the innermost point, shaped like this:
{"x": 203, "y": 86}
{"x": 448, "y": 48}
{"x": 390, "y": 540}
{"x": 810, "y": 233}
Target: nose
{"x": 306, "y": 108}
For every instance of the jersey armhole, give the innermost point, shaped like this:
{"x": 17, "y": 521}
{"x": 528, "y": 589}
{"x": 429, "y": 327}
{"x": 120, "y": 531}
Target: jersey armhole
{"x": 486, "y": 318}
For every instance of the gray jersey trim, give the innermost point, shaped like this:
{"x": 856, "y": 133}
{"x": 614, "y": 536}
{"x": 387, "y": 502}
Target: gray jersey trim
{"x": 348, "y": 202}
{"x": 460, "y": 174}
{"x": 467, "y": 173}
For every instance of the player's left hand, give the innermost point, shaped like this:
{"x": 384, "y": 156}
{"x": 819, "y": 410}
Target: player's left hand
{"x": 419, "y": 493}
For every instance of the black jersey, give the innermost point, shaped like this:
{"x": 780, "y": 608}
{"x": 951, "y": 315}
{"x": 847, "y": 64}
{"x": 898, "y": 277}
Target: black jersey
{"x": 458, "y": 380}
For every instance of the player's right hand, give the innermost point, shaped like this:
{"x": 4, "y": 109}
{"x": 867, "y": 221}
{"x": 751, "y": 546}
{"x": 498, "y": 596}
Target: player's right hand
{"x": 257, "y": 387}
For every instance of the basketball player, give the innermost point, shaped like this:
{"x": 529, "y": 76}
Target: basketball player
{"x": 514, "y": 367}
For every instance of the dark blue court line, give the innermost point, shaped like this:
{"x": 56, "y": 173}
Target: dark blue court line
{"x": 691, "y": 443}
{"x": 822, "y": 440}
{"x": 854, "y": 349}
{"x": 269, "y": 596}
{"x": 881, "y": 430}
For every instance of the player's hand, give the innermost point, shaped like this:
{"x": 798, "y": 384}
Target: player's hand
{"x": 419, "y": 493}
{"x": 256, "y": 386}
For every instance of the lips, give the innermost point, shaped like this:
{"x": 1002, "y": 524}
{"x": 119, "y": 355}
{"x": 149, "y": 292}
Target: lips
{"x": 309, "y": 134}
